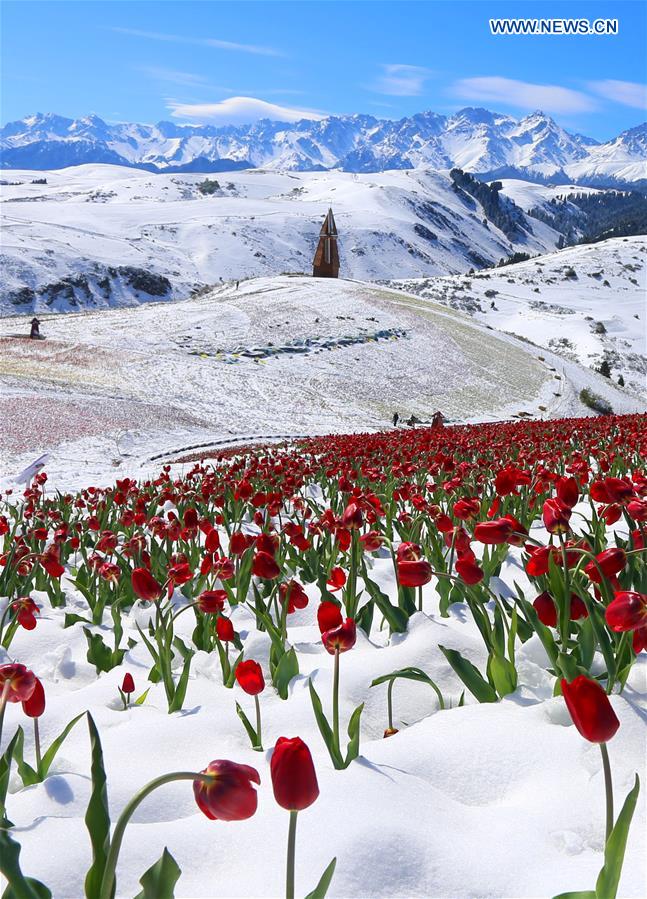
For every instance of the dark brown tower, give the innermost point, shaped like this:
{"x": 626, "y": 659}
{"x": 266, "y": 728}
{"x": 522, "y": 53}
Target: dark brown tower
{"x": 326, "y": 261}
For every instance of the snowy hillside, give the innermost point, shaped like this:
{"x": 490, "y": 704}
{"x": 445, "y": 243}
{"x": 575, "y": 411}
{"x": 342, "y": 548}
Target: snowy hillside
{"x": 109, "y": 390}
{"x": 96, "y": 236}
{"x": 585, "y": 303}
{"x": 476, "y": 140}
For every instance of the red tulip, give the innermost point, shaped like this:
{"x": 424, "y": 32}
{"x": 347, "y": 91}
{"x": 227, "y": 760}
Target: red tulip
{"x": 239, "y": 542}
{"x": 414, "y": 574}
{"x": 538, "y": 559}
{"x": 336, "y": 579}
{"x": 568, "y": 491}
{"x": 627, "y": 611}
{"x": 578, "y": 608}
{"x": 468, "y": 570}
{"x": 225, "y": 629}
{"x": 230, "y": 796}
{"x": 408, "y": 552}
{"x": 371, "y": 541}
{"x": 494, "y": 532}
{"x": 211, "y": 601}
{"x": 144, "y": 585}
{"x": 557, "y": 516}
{"x": 265, "y": 566}
{"x": 294, "y": 779}
{"x": 50, "y": 560}
{"x": 340, "y": 638}
{"x": 180, "y": 573}
{"x": 296, "y": 596}
{"x": 26, "y": 611}
{"x": 328, "y": 616}
{"x": 35, "y": 705}
{"x": 546, "y": 610}
{"x": 17, "y": 681}
{"x": 128, "y": 686}
{"x": 352, "y": 517}
{"x": 590, "y": 709}
{"x": 609, "y": 563}
{"x": 249, "y": 675}
{"x": 640, "y": 639}
{"x": 212, "y": 543}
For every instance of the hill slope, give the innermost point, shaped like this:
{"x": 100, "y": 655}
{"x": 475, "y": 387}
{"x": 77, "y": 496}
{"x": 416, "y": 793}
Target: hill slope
{"x": 585, "y": 303}
{"x": 279, "y": 356}
{"x": 97, "y": 236}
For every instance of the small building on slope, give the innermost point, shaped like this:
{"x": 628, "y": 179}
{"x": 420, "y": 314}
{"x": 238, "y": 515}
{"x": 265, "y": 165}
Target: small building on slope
{"x": 326, "y": 261}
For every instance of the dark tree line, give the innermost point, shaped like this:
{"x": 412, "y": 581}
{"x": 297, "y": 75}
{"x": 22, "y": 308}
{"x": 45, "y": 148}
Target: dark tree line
{"x": 499, "y": 210}
{"x": 589, "y": 217}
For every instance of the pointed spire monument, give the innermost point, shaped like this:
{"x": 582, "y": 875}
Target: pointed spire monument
{"x": 326, "y": 261}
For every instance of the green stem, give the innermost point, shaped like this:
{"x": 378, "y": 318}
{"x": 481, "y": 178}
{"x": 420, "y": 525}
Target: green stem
{"x": 108, "y": 880}
{"x": 420, "y": 599}
{"x": 3, "y": 704}
{"x": 389, "y": 702}
{"x": 335, "y": 702}
{"x": 292, "y": 842}
{"x": 565, "y": 617}
{"x": 37, "y": 745}
{"x": 608, "y": 790}
{"x": 259, "y": 738}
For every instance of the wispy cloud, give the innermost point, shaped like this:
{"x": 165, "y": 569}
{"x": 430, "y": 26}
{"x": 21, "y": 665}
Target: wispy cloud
{"x": 172, "y": 76}
{"x": 629, "y": 93}
{"x": 399, "y": 80}
{"x": 521, "y": 94}
{"x": 240, "y": 111}
{"x": 199, "y": 41}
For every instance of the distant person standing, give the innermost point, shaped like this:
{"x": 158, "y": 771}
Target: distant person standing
{"x": 35, "y": 329}
{"x": 396, "y": 419}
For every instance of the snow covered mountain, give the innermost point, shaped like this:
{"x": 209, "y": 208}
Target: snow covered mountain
{"x": 95, "y": 235}
{"x": 473, "y": 139}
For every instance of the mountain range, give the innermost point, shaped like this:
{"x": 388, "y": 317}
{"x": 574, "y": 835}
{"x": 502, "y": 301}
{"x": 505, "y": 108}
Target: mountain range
{"x": 476, "y": 140}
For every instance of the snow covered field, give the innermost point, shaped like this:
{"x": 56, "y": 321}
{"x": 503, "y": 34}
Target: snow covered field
{"x": 486, "y": 800}
{"x": 108, "y": 390}
{"x": 66, "y": 244}
{"x": 585, "y": 303}
{"x": 499, "y": 799}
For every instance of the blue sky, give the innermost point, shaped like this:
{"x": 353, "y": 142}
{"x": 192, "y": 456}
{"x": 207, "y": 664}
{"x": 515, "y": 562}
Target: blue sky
{"x": 229, "y": 62}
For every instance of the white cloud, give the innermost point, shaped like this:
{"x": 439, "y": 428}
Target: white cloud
{"x": 626, "y": 92}
{"x": 401, "y": 80}
{"x": 548, "y": 97}
{"x": 186, "y": 79}
{"x": 240, "y": 111}
{"x": 200, "y": 41}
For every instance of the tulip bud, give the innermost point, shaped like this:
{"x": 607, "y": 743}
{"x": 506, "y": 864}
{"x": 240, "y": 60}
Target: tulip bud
{"x": 35, "y": 705}
{"x": 294, "y": 779}
{"x": 590, "y": 709}
{"x": 414, "y": 574}
{"x": 224, "y": 629}
{"x": 249, "y": 675}
{"x": 328, "y": 616}
{"x": 22, "y": 682}
{"x": 128, "y": 685}
{"x": 544, "y": 605}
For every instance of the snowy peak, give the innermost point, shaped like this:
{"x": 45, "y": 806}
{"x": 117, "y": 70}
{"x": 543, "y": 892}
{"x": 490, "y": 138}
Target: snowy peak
{"x": 474, "y": 139}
